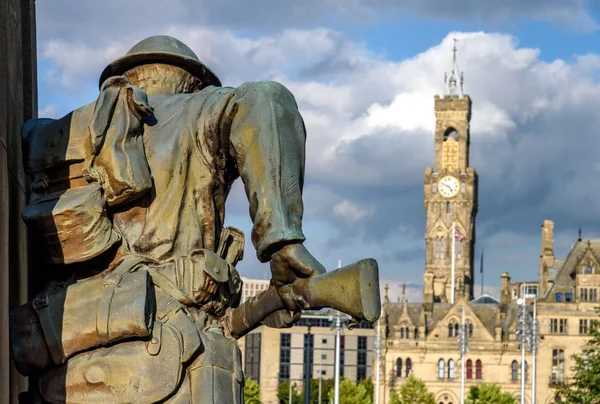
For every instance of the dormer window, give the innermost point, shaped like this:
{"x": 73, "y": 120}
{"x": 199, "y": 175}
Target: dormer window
{"x": 559, "y": 297}
{"x": 588, "y": 269}
{"x": 453, "y": 329}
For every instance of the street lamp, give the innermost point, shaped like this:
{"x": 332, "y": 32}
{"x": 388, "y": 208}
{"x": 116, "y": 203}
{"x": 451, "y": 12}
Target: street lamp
{"x": 533, "y": 346}
{"x": 308, "y": 368}
{"x": 378, "y": 346}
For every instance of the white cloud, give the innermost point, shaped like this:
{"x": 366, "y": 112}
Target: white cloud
{"x": 49, "y": 111}
{"x": 352, "y": 211}
{"x": 370, "y": 127}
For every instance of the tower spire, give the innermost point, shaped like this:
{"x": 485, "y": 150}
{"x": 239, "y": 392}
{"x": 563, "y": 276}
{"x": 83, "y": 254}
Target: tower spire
{"x": 454, "y": 80}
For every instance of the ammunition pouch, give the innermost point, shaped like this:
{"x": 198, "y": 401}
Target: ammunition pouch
{"x": 72, "y": 226}
{"x": 92, "y": 313}
{"x": 122, "y": 373}
{"x": 216, "y": 375}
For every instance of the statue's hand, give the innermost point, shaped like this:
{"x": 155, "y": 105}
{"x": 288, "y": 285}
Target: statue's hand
{"x": 281, "y": 319}
{"x": 290, "y": 263}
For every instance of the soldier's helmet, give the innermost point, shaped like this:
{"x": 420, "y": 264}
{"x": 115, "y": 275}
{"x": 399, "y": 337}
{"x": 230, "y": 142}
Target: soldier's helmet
{"x": 161, "y": 49}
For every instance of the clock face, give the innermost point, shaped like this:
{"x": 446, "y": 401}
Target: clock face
{"x": 448, "y": 186}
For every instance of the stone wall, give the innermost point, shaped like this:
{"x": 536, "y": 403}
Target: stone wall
{"x": 18, "y": 102}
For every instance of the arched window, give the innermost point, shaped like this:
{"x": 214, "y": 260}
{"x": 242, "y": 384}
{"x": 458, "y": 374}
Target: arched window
{"x": 443, "y": 248}
{"x": 470, "y": 329}
{"x": 456, "y": 329}
{"x": 450, "y": 329}
{"x": 469, "y": 369}
{"x": 402, "y": 333}
{"x": 407, "y": 333}
{"x": 399, "y": 367}
{"x": 588, "y": 268}
{"x": 514, "y": 370}
{"x": 451, "y": 132}
{"x": 451, "y": 369}
{"x": 441, "y": 369}
{"x": 448, "y": 208}
{"x": 478, "y": 370}
{"x": 408, "y": 367}
{"x": 439, "y": 247}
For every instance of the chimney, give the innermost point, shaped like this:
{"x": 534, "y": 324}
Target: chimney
{"x": 548, "y": 237}
{"x": 546, "y": 257}
{"x": 428, "y": 279}
{"x": 505, "y": 291}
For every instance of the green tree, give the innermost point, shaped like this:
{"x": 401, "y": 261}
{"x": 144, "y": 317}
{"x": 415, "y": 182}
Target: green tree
{"x": 350, "y": 393}
{"x": 251, "y": 392}
{"x": 413, "y": 391}
{"x": 489, "y": 393}
{"x": 584, "y": 385}
{"x": 283, "y": 393}
{"x": 326, "y": 386}
{"x": 394, "y": 398}
{"x": 369, "y": 386}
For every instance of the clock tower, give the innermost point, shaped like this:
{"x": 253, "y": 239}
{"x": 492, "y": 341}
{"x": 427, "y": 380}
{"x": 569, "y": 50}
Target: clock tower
{"x": 451, "y": 195}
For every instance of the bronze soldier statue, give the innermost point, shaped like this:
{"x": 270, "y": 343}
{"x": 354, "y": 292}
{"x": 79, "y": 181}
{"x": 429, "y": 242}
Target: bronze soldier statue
{"x": 141, "y": 295}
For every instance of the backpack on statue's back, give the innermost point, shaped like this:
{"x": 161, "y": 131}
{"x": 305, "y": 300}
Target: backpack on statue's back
{"x": 80, "y": 164}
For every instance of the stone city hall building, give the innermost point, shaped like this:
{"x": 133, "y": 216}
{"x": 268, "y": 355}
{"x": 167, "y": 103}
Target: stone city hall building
{"x": 421, "y": 338}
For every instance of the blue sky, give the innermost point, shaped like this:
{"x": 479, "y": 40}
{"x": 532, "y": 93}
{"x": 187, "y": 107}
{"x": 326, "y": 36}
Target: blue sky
{"x": 364, "y": 74}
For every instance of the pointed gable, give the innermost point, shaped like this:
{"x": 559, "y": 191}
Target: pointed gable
{"x": 583, "y": 253}
{"x": 482, "y": 320}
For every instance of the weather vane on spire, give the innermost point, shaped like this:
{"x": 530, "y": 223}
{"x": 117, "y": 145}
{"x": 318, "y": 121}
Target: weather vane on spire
{"x": 454, "y": 81}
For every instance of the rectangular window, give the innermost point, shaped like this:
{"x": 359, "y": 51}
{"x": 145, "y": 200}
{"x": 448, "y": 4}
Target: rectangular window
{"x": 559, "y": 297}
{"x": 342, "y": 354}
{"x": 324, "y": 341}
{"x": 559, "y": 326}
{"x": 284, "y": 356}
{"x": 594, "y": 295}
{"x": 515, "y": 294}
{"x": 252, "y": 357}
{"x": 362, "y": 343}
{"x": 361, "y": 360}
{"x": 308, "y": 355}
{"x": 558, "y": 366}
{"x": 568, "y": 297}
{"x": 562, "y": 326}
{"x": 583, "y": 327}
{"x": 531, "y": 290}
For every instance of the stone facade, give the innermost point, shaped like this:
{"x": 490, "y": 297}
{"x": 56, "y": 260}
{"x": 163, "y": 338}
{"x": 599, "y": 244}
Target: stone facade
{"x": 421, "y": 338}
{"x": 451, "y": 201}
{"x": 427, "y": 335}
{"x": 272, "y": 356}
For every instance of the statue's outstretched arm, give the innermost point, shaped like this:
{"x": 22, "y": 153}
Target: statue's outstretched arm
{"x": 267, "y": 138}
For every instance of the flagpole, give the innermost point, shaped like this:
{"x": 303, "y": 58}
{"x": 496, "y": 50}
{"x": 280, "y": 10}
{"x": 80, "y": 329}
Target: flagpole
{"x": 481, "y": 270}
{"x": 453, "y": 258}
{"x": 462, "y": 359}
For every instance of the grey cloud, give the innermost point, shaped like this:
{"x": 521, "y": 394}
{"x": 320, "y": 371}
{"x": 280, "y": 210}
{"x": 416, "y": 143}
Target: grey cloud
{"x": 533, "y": 138}
{"x": 97, "y": 21}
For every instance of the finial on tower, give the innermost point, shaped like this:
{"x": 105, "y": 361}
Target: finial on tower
{"x": 404, "y": 293}
{"x": 386, "y": 296}
{"x": 454, "y": 81}
{"x": 579, "y": 236}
